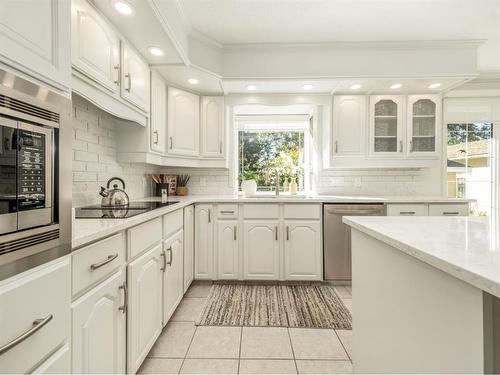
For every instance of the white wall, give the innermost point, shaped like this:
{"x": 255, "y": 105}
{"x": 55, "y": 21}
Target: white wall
{"x": 94, "y": 157}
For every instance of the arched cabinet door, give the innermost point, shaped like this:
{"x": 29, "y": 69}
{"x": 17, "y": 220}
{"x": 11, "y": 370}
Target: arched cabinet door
{"x": 423, "y": 122}
{"x": 261, "y": 250}
{"x": 227, "y": 248}
{"x": 303, "y": 250}
{"x": 203, "y": 248}
{"x": 349, "y": 126}
{"x": 212, "y": 126}
{"x": 386, "y": 126}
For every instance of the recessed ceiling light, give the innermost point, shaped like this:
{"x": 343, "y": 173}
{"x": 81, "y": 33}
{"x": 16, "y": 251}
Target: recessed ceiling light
{"x": 307, "y": 86}
{"x": 356, "y": 86}
{"x": 155, "y": 51}
{"x": 193, "y": 81}
{"x": 396, "y": 86}
{"x": 124, "y": 8}
{"x": 251, "y": 87}
{"x": 434, "y": 85}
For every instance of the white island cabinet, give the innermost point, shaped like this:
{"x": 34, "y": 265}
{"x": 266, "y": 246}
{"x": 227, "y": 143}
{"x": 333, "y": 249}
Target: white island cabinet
{"x": 434, "y": 303}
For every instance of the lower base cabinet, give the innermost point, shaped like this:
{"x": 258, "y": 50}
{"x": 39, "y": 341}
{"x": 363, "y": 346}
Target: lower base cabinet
{"x": 99, "y": 328}
{"x": 227, "y": 247}
{"x": 145, "y": 284}
{"x": 173, "y": 272}
{"x": 261, "y": 250}
{"x": 58, "y": 363}
{"x": 188, "y": 246}
{"x": 303, "y": 250}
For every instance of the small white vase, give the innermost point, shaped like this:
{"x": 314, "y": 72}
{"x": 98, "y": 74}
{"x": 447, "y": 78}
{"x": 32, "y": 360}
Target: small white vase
{"x": 249, "y": 187}
{"x": 293, "y": 186}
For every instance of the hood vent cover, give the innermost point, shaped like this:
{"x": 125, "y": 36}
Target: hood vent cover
{"x": 29, "y": 109}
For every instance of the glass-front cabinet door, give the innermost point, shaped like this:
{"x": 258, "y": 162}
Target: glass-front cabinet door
{"x": 424, "y": 117}
{"x": 386, "y": 137}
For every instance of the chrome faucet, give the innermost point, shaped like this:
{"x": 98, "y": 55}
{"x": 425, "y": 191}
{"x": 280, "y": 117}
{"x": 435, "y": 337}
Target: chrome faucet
{"x": 277, "y": 182}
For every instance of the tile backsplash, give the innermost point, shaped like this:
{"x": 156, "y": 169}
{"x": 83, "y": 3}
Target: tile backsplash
{"x": 94, "y": 157}
{"x": 205, "y": 180}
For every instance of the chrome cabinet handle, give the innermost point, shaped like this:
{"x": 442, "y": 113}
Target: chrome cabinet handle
{"x": 411, "y": 146}
{"x": 171, "y": 142}
{"x": 407, "y": 212}
{"x": 209, "y": 215}
{"x": 336, "y": 146}
{"x": 123, "y": 287}
{"x": 37, "y": 325}
{"x": 276, "y": 233}
{"x": 156, "y": 137}
{"x": 400, "y": 146}
{"x": 171, "y": 258}
{"x": 129, "y": 78}
{"x": 234, "y": 231}
{"x": 220, "y": 147}
{"x": 117, "y": 80}
{"x": 451, "y": 213}
{"x": 164, "y": 256}
{"x": 287, "y": 233}
{"x": 227, "y": 212}
{"x": 110, "y": 258}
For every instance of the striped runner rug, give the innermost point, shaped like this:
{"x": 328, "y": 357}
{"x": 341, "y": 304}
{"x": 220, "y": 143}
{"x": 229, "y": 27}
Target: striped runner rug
{"x": 308, "y": 306}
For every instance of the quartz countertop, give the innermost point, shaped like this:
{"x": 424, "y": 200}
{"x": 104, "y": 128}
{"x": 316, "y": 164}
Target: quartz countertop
{"x": 89, "y": 230}
{"x": 464, "y": 247}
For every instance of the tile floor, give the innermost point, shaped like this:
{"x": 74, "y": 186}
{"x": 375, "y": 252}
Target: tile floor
{"x": 184, "y": 348}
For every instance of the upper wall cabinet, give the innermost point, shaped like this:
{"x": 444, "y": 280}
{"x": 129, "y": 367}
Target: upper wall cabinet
{"x": 424, "y": 117}
{"x": 95, "y": 47}
{"x": 349, "y": 124}
{"x": 35, "y": 40}
{"x": 183, "y": 123}
{"x": 386, "y": 126}
{"x": 212, "y": 126}
{"x": 158, "y": 114}
{"x": 135, "y": 78}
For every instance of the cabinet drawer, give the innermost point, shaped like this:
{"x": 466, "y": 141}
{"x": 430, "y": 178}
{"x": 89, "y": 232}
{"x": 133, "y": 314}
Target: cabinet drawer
{"x": 44, "y": 297}
{"x": 261, "y": 211}
{"x": 407, "y": 210}
{"x": 143, "y": 236}
{"x": 227, "y": 211}
{"x": 302, "y": 211}
{"x": 172, "y": 222}
{"x": 449, "y": 209}
{"x": 94, "y": 262}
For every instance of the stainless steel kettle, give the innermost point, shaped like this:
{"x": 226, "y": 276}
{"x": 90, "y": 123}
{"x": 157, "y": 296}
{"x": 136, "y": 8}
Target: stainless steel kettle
{"x": 114, "y": 197}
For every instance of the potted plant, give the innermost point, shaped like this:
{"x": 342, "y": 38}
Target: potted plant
{"x": 182, "y": 181}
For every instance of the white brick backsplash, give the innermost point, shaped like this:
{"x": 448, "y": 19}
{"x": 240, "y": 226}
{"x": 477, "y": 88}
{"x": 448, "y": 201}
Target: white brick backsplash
{"x": 94, "y": 157}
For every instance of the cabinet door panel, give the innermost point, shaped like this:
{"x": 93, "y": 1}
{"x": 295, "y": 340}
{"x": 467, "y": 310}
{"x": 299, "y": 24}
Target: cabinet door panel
{"x": 135, "y": 78}
{"x": 227, "y": 247}
{"x": 303, "y": 255}
{"x": 424, "y": 117}
{"x": 386, "y": 126}
{"x": 95, "y": 48}
{"x": 158, "y": 114}
{"x": 212, "y": 126}
{"x": 183, "y": 123}
{"x": 261, "y": 250}
{"x": 349, "y": 123}
{"x": 188, "y": 246}
{"x": 203, "y": 258}
{"x": 99, "y": 329}
{"x": 145, "y": 280}
{"x": 173, "y": 283}
{"x": 35, "y": 38}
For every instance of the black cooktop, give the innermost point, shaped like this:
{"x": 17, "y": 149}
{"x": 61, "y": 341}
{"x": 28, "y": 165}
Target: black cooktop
{"x": 132, "y": 209}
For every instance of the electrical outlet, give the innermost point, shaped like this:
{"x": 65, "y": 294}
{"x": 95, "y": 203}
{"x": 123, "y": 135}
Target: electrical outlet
{"x": 357, "y": 182}
{"x": 203, "y": 181}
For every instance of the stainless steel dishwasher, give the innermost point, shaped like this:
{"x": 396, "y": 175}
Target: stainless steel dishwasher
{"x": 337, "y": 237}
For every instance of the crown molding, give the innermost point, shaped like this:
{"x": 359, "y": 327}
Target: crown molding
{"x": 203, "y": 38}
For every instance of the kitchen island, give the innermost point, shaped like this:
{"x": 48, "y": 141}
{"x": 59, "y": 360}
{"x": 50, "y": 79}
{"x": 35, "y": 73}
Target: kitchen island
{"x": 426, "y": 294}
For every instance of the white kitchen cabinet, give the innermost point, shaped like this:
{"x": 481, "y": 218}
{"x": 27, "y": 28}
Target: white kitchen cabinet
{"x": 386, "y": 126}
{"x": 303, "y": 250}
{"x": 144, "y": 325}
{"x": 204, "y": 245}
{"x": 349, "y": 125}
{"x": 173, "y": 269}
{"x": 135, "y": 78}
{"x": 158, "y": 114}
{"x": 183, "y": 123}
{"x": 188, "y": 246}
{"x": 35, "y": 40}
{"x": 95, "y": 46}
{"x": 449, "y": 209}
{"x": 57, "y": 363}
{"x": 37, "y": 302}
{"x": 212, "y": 126}
{"x": 261, "y": 250}
{"x": 99, "y": 328}
{"x": 407, "y": 209}
{"x": 228, "y": 249}
{"x": 424, "y": 119}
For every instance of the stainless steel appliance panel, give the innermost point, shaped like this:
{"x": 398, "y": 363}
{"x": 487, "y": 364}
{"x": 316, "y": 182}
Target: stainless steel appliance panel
{"x": 337, "y": 237}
